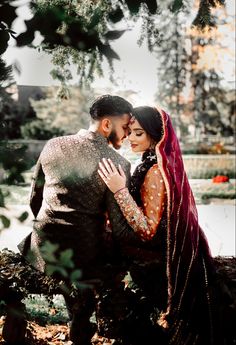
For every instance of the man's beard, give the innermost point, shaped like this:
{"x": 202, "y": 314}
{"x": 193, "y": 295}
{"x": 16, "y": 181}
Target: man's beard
{"x": 114, "y": 140}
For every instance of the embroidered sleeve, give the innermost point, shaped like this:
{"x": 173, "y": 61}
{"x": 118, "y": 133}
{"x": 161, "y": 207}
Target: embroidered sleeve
{"x": 144, "y": 221}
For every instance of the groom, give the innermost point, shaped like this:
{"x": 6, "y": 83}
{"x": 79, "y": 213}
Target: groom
{"x": 70, "y": 202}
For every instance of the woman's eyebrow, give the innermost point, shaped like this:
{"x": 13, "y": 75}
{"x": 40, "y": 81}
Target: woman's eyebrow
{"x": 137, "y": 129}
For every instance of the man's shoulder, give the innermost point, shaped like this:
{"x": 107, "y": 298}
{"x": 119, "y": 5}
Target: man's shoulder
{"x": 56, "y": 143}
{"x": 117, "y": 157}
{"x": 61, "y": 139}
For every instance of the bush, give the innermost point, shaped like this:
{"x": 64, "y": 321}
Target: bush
{"x": 12, "y": 116}
{"x": 200, "y": 148}
{"x": 12, "y": 162}
{"x": 209, "y": 166}
{"x": 38, "y": 129}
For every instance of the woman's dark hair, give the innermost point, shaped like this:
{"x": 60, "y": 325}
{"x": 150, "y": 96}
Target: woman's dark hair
{"x": 108, "y": 105}
{"x": 150, "y": 120}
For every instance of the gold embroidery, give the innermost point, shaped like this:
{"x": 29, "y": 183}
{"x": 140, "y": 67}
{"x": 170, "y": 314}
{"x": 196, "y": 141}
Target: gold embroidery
{"x": 144, "y": 221}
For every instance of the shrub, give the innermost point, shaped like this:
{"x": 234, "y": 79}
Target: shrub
{"x": 38, "y": 129}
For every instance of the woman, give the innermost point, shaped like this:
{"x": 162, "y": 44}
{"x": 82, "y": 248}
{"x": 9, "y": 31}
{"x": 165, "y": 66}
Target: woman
{"x": 160, "y": 207}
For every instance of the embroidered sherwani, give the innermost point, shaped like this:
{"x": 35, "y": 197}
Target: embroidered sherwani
{"x": 70, "y": 202}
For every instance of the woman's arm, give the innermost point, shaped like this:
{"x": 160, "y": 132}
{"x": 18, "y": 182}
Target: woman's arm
{"x": 144, "y": 221}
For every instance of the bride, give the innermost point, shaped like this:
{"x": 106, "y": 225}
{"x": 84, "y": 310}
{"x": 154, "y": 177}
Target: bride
{"x": 160, "y": 207}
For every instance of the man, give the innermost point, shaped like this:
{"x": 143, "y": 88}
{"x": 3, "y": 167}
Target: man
{"x": 70, "y": 201}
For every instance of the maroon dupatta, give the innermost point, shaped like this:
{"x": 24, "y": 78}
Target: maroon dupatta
{"x": 188, "y": 256}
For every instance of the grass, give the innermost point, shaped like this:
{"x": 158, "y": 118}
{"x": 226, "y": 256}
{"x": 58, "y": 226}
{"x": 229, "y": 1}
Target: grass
{"x": 202, "y": 189}
{"x": 45, "y": 310}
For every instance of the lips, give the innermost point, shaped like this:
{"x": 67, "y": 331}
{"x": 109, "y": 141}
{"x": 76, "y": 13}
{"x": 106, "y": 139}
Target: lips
{"x": 133, "y": 145}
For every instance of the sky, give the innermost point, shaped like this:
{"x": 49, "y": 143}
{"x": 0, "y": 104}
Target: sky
{"x": 135, "y": 70}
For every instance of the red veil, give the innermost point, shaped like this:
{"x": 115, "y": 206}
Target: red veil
{"x": 188, "y": 257}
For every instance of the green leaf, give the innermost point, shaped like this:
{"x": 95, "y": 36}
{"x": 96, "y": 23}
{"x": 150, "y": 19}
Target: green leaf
{"x": 176, "y": 6}
{"x": 51, "y": 269}
{"x": 25, "y": 38}
{"x": 48, "y": 250}
{"x": 4, "y": 37}
{"x": 7, "y": 14}
{"x": 23, "y": 216}
{"x": 114, "y": 34}
{"x": 65, "y": 258}
{"x": 75, "y": 275}
{"x": 5, "y": 74}
{"x": 116, "y": 15}
{"x": 2, "y": 202}
{"x": 5, "y": 221}
{"x": 106, "y": 50}
{"x": 133, "y": 5}
{"x": 95, "y": 18}
{"x": 152, "y": 6}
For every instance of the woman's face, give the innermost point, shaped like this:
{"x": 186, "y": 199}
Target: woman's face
{"x": 139, "y": 140}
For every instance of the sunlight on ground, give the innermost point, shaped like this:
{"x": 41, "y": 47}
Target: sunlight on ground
{"x": 217, "y": 221}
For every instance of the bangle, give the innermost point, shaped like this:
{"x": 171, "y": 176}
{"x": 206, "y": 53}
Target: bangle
{"x": 119, "y": 190}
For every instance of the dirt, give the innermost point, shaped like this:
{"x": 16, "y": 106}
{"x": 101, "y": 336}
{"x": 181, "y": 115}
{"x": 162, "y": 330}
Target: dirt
{"x": 51, "y": 335}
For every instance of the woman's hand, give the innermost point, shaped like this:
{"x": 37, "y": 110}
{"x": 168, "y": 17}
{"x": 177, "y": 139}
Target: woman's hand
{"x": 114, "y": 179}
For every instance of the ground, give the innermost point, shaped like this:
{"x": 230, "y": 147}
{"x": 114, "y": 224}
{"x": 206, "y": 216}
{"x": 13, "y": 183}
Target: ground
{"x": 47, "y": 315}
{"x": 51, "y": 335}
{"x": 42, "y": 335}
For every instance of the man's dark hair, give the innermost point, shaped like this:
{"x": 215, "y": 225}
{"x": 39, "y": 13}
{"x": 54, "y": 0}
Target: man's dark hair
{"x": 108, "y": 105}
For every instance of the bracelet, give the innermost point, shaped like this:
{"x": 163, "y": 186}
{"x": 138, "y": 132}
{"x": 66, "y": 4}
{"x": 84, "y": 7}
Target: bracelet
{"x": 119, "y": 190}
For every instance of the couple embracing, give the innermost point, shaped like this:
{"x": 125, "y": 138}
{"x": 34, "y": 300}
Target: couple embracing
{"x": 82, "y": 190}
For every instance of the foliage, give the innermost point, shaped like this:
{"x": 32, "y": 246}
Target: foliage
{"x": 204, "y": 147}
{"x": 213, "y": 105}
{"x": 46, "y": 309}
{"x": 12, "y": 162}
{"x": 130, "y": 305}
{"x": 172, "y": 57}
{"x": 13, "y": 165}
{"x": 12, "y": 116}
{"x": 5, "y": 72}
{"x": 189, "y": 74}
{"x": 204, "y": 17}
{"x": 208, "y": 173}
{"x": 84, "y": 30}
{"x": 62, "y": 115}
{"x": 60, "y": 264}
{"x": 38, "y": 129}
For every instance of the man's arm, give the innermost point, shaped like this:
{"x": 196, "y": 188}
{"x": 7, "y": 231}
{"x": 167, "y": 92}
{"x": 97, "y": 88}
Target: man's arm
{"x": 36, "y": 195}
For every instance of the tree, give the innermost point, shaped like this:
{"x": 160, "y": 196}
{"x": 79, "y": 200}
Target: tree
{"x": 172, "y": 59}
{"x": 12, "y": 115}
{"x": 62, "y": 115}
{"x": 193, "y": 58}
{"x": 82, "y": 31}
{"x": 212, "y": 101}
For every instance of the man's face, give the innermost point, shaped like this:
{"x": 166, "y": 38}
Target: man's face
{"x": 119, "y": 130}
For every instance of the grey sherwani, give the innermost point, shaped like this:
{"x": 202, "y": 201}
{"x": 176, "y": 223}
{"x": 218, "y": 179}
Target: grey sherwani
{"x": 70, "y": 201}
